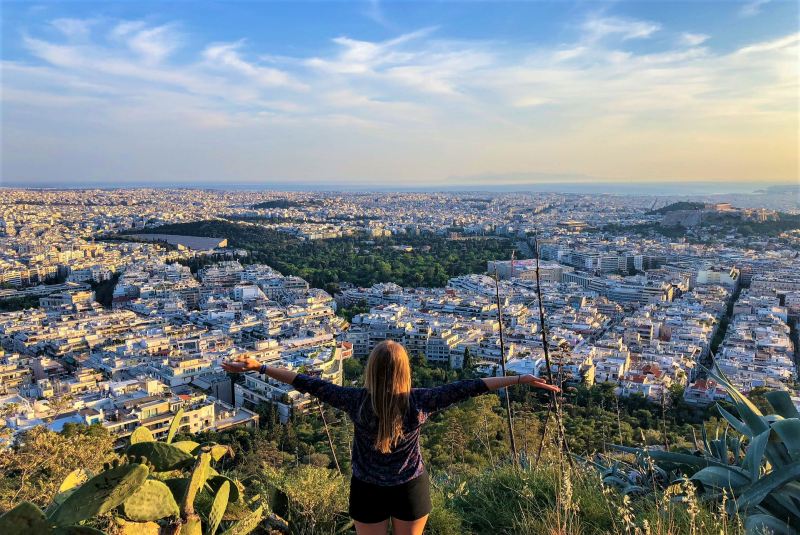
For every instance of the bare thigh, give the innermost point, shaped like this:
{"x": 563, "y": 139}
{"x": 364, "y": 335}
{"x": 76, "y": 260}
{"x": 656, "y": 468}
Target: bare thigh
{"x": 404, "y": 527}
{"x": 378, "y": 528}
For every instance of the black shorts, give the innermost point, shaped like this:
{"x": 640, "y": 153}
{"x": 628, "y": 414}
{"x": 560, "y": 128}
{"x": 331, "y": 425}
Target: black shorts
{"x": 375, "y": 503}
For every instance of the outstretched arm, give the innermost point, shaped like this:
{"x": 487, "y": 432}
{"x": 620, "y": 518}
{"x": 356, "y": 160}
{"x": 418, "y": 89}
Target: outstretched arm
{"x": 495, "y": 383}
{"x": 434, "y": 399}
{"x": 249, "y": 364}
{"x": 338, "y": 396}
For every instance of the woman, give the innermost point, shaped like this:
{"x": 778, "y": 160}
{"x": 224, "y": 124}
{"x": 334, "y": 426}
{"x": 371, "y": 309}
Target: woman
{"x": 389, "y": 479}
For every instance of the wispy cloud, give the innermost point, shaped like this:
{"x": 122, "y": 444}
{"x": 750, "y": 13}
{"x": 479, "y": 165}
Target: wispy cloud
{"x": 415, "y": 104}
{"x": 599, "y": 27}
{"x": 752, "y": 8}
{"x": 693, "y": 39}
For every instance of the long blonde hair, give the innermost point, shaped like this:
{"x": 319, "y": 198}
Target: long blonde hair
{"x": 388, "y": 381}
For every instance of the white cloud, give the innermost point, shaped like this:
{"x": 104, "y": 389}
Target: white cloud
{"x": 599, "y": 27}
{"x": 752, "y": 8}
{"x": 416, "y": 104}
{"x": 693, "y": 39}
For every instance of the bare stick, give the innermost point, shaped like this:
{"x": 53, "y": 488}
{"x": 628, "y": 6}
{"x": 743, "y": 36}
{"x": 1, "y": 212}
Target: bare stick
{"x": 503, "y": 368}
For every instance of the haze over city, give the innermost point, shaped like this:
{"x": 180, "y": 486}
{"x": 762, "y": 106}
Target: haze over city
{"x": 388, "y": 94}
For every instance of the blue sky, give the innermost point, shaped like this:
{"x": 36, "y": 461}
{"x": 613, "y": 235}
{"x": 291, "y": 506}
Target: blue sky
{"x": 419, "y": 93}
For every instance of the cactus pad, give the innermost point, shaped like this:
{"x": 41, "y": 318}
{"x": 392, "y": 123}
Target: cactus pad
{"x": 77, "y": 530}
{"x": 152, "y": 501}
{"x": 215, "y": 482}
{"x": 100, "y": 494}
{"x": 189, "y": 446}
{"x": 192, "y": 526}
{"x": 174, "y": 425}
{"x": 163, "y": 457}
{"x": 142, "y": 434}
{"x": 23, "y": 519}
{"x": 218, "y": 507}
{"x": 73, "y": 479}
{"x": 247, "y": 524}
{"x": 137, "y": 528}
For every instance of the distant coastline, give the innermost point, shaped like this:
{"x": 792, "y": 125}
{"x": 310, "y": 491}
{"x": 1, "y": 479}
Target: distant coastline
{"x": 613, "y": 188}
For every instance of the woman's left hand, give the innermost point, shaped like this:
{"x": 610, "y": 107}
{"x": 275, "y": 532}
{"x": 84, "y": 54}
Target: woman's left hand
{"x": 242, "y": 364}
{"x": 535, "y": 382}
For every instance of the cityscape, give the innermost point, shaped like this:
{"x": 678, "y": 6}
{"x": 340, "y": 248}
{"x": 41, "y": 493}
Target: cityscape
{"x": 575, "y": 226}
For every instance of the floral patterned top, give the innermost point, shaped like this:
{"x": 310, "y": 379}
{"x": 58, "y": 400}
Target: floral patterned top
{"x": 404, "y": 462}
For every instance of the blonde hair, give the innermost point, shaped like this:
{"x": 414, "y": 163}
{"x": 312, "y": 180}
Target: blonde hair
{"x": 388, "y": 381}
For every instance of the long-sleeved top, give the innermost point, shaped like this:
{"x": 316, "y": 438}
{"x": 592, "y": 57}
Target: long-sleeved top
{"x": 404, "y": 462}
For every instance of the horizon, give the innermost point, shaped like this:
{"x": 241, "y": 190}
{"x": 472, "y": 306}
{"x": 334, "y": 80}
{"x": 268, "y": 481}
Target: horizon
{"x": 374, "y": 94}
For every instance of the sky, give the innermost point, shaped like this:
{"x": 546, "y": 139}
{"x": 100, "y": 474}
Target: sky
{"x": 410, "y": 94}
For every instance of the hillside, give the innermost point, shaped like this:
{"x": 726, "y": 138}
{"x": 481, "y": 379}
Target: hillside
{"x": 674, "y": 207}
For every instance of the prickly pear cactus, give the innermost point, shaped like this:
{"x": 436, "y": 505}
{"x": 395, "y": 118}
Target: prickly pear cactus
{"x": 189, "y": 446}
{"x": 174, "y": 425}
{"x": 247, "y": 524}
{"x": 215, "y": 482}
{"x": 163, "y": 457}
{"x": 24, "y": 519}
{"x": 136, "y": 528}
{"x": 75, "y": 478}
{"x": 100, "y": 494}
{"x": 152, "y": 501}
{"x": 218, "y": 507}
{"x": 142, "y": 434}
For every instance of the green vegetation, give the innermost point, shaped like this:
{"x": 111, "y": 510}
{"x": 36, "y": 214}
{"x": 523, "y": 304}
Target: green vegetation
{"x": 278, "y": 203}
{"x": 18, "y": 303}
{"x": 104, "y": 291}
{"x": 680, "y": 205}
{"x": 167, "y": 487}
{"x": 753, "y": 470}
{"x": 323, "y": 263}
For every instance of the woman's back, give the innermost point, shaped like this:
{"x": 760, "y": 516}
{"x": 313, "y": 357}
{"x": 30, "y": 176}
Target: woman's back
{"x": 404, "y": 462}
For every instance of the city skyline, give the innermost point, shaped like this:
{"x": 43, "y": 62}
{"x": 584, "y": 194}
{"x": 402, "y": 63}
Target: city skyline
{"x": 376, "y": 94}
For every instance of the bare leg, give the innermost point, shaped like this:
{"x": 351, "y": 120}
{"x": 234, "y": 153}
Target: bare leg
{"x": 379, "y": 528}
{"x": 405, "y": 527}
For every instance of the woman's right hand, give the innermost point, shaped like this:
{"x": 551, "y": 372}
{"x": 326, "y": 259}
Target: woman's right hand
{"x": 536, "y": 382}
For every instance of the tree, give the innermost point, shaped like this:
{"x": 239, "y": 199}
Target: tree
{"x": 34, "y": 468}
{"x": 467, "y": 364}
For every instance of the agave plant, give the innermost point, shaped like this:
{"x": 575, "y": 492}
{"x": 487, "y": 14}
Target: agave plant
{"x": 758, "y": 471}
{"x": 159, "y": 488}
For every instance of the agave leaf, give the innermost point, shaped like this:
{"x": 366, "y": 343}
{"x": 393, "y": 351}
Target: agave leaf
{"x": 755, "y": 454}
{"x": 673, "y": 457}
{"x": 616, "y": 481}
{"x": 218, "y": 507}
{"x": 748, "y": 412}
{"x": 781, "y": 401}
{"x": 717, "y": 477}
{"x": 633, "y": 489}
{"x": 789, "y": 432}
{"x": 142, "y": 434}
{"x": 735, "y": 422}
{"x": 763, "y": 486}
{"x": 174, "y": 425}
{"x": 760, "y": 524}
